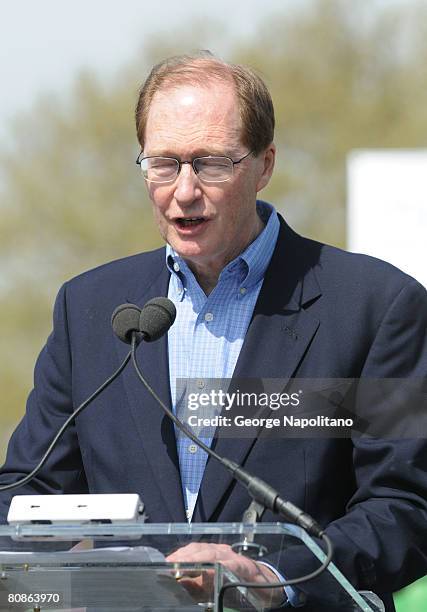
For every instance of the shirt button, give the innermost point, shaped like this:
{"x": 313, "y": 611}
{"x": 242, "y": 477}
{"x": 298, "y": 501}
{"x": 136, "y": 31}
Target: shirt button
{"x": 192, "y": 448}
{"x": 188, "y": 514}
{"x": 209, "y": 316}
{"x": 200, "y": 384}
{"x": 243, "y": 290}
{"x": 176, "y": 267}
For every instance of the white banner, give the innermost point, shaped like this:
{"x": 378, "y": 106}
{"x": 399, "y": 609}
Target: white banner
{"x": 387, "y": 207}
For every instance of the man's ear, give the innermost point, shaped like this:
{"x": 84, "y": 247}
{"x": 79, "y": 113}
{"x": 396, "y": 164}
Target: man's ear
{"x": 267, "y": 159}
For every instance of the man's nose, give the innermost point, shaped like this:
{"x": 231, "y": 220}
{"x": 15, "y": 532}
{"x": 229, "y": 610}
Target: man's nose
{"x": 187, "y": 187}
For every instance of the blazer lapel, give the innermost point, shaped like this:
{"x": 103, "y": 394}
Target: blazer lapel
{"x": 154, "y": 427}
{"x": 276, "y": 342}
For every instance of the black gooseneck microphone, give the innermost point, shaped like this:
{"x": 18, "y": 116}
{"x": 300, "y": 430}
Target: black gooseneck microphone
{"x": 257, "y": 488}
{"x": 159, "y": 314}
{"x": 125, "y": 321}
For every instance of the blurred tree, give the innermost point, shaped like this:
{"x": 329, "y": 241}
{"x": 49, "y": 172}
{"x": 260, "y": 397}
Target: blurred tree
{"x": 342, "y": 75}
{"x": 72, "y": 199}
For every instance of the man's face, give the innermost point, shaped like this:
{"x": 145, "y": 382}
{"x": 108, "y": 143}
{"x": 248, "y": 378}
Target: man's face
{"x": 192, "y": 121}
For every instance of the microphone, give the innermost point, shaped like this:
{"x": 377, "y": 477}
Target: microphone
{"x": 159, "y": 314}
{"x": 148, "y": 323}
{"x": 125, "y": 321}
{"x": 156, "y": 318}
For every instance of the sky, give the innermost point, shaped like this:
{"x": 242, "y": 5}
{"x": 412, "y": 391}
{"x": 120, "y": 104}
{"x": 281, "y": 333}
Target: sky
{"x": 43, "y": 44}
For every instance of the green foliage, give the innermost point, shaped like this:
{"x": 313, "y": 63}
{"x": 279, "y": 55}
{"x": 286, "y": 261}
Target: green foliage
{"x": 413, "y": 598}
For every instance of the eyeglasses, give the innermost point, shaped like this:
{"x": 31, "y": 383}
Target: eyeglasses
{"x": 210, "y": 169}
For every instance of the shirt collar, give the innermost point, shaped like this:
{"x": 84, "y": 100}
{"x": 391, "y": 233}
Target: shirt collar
{"x": 251, "y": 264}
{"x": 258, "y": 254}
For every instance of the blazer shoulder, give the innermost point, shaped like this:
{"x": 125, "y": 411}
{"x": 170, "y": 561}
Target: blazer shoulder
{"x": 337, "y": 267}
{"x": 132, "y": 269}
{"x": 359, "y": 268}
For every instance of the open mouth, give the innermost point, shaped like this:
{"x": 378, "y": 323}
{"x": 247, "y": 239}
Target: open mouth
{"x": 190, "y": 221}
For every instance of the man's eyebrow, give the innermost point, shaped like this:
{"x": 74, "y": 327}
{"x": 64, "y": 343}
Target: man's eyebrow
{"x": 197, "y": 153}
{"x": 219, "y": 152}
{"x": 159, "y": 153}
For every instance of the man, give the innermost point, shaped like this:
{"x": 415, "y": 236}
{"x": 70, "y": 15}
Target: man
{"x": 253, "y": 299}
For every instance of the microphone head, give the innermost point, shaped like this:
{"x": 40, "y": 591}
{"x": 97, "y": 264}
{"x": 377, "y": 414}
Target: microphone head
{"x": 125, "y": 320}
{"x": 156, "y": 317}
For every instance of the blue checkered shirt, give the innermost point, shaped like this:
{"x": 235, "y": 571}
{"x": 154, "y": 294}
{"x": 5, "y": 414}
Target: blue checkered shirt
{"x": 208, "y": 332}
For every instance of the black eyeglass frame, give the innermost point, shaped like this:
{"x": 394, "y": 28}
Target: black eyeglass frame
{"x": 180, "y": 163}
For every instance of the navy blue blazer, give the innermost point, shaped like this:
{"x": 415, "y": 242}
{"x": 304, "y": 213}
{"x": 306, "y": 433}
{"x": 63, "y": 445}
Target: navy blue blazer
{"x": 321, "y": 312}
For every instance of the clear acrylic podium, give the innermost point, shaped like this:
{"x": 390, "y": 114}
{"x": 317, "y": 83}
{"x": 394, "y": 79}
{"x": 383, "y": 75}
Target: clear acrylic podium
{"x": 111, "y": 568}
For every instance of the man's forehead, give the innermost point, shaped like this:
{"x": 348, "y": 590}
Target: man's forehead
{"x": 197, "y": 97}
{"x": 199, "y": 115}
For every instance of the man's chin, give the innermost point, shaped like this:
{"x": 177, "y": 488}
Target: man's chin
{"x": 188, "y": 248}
